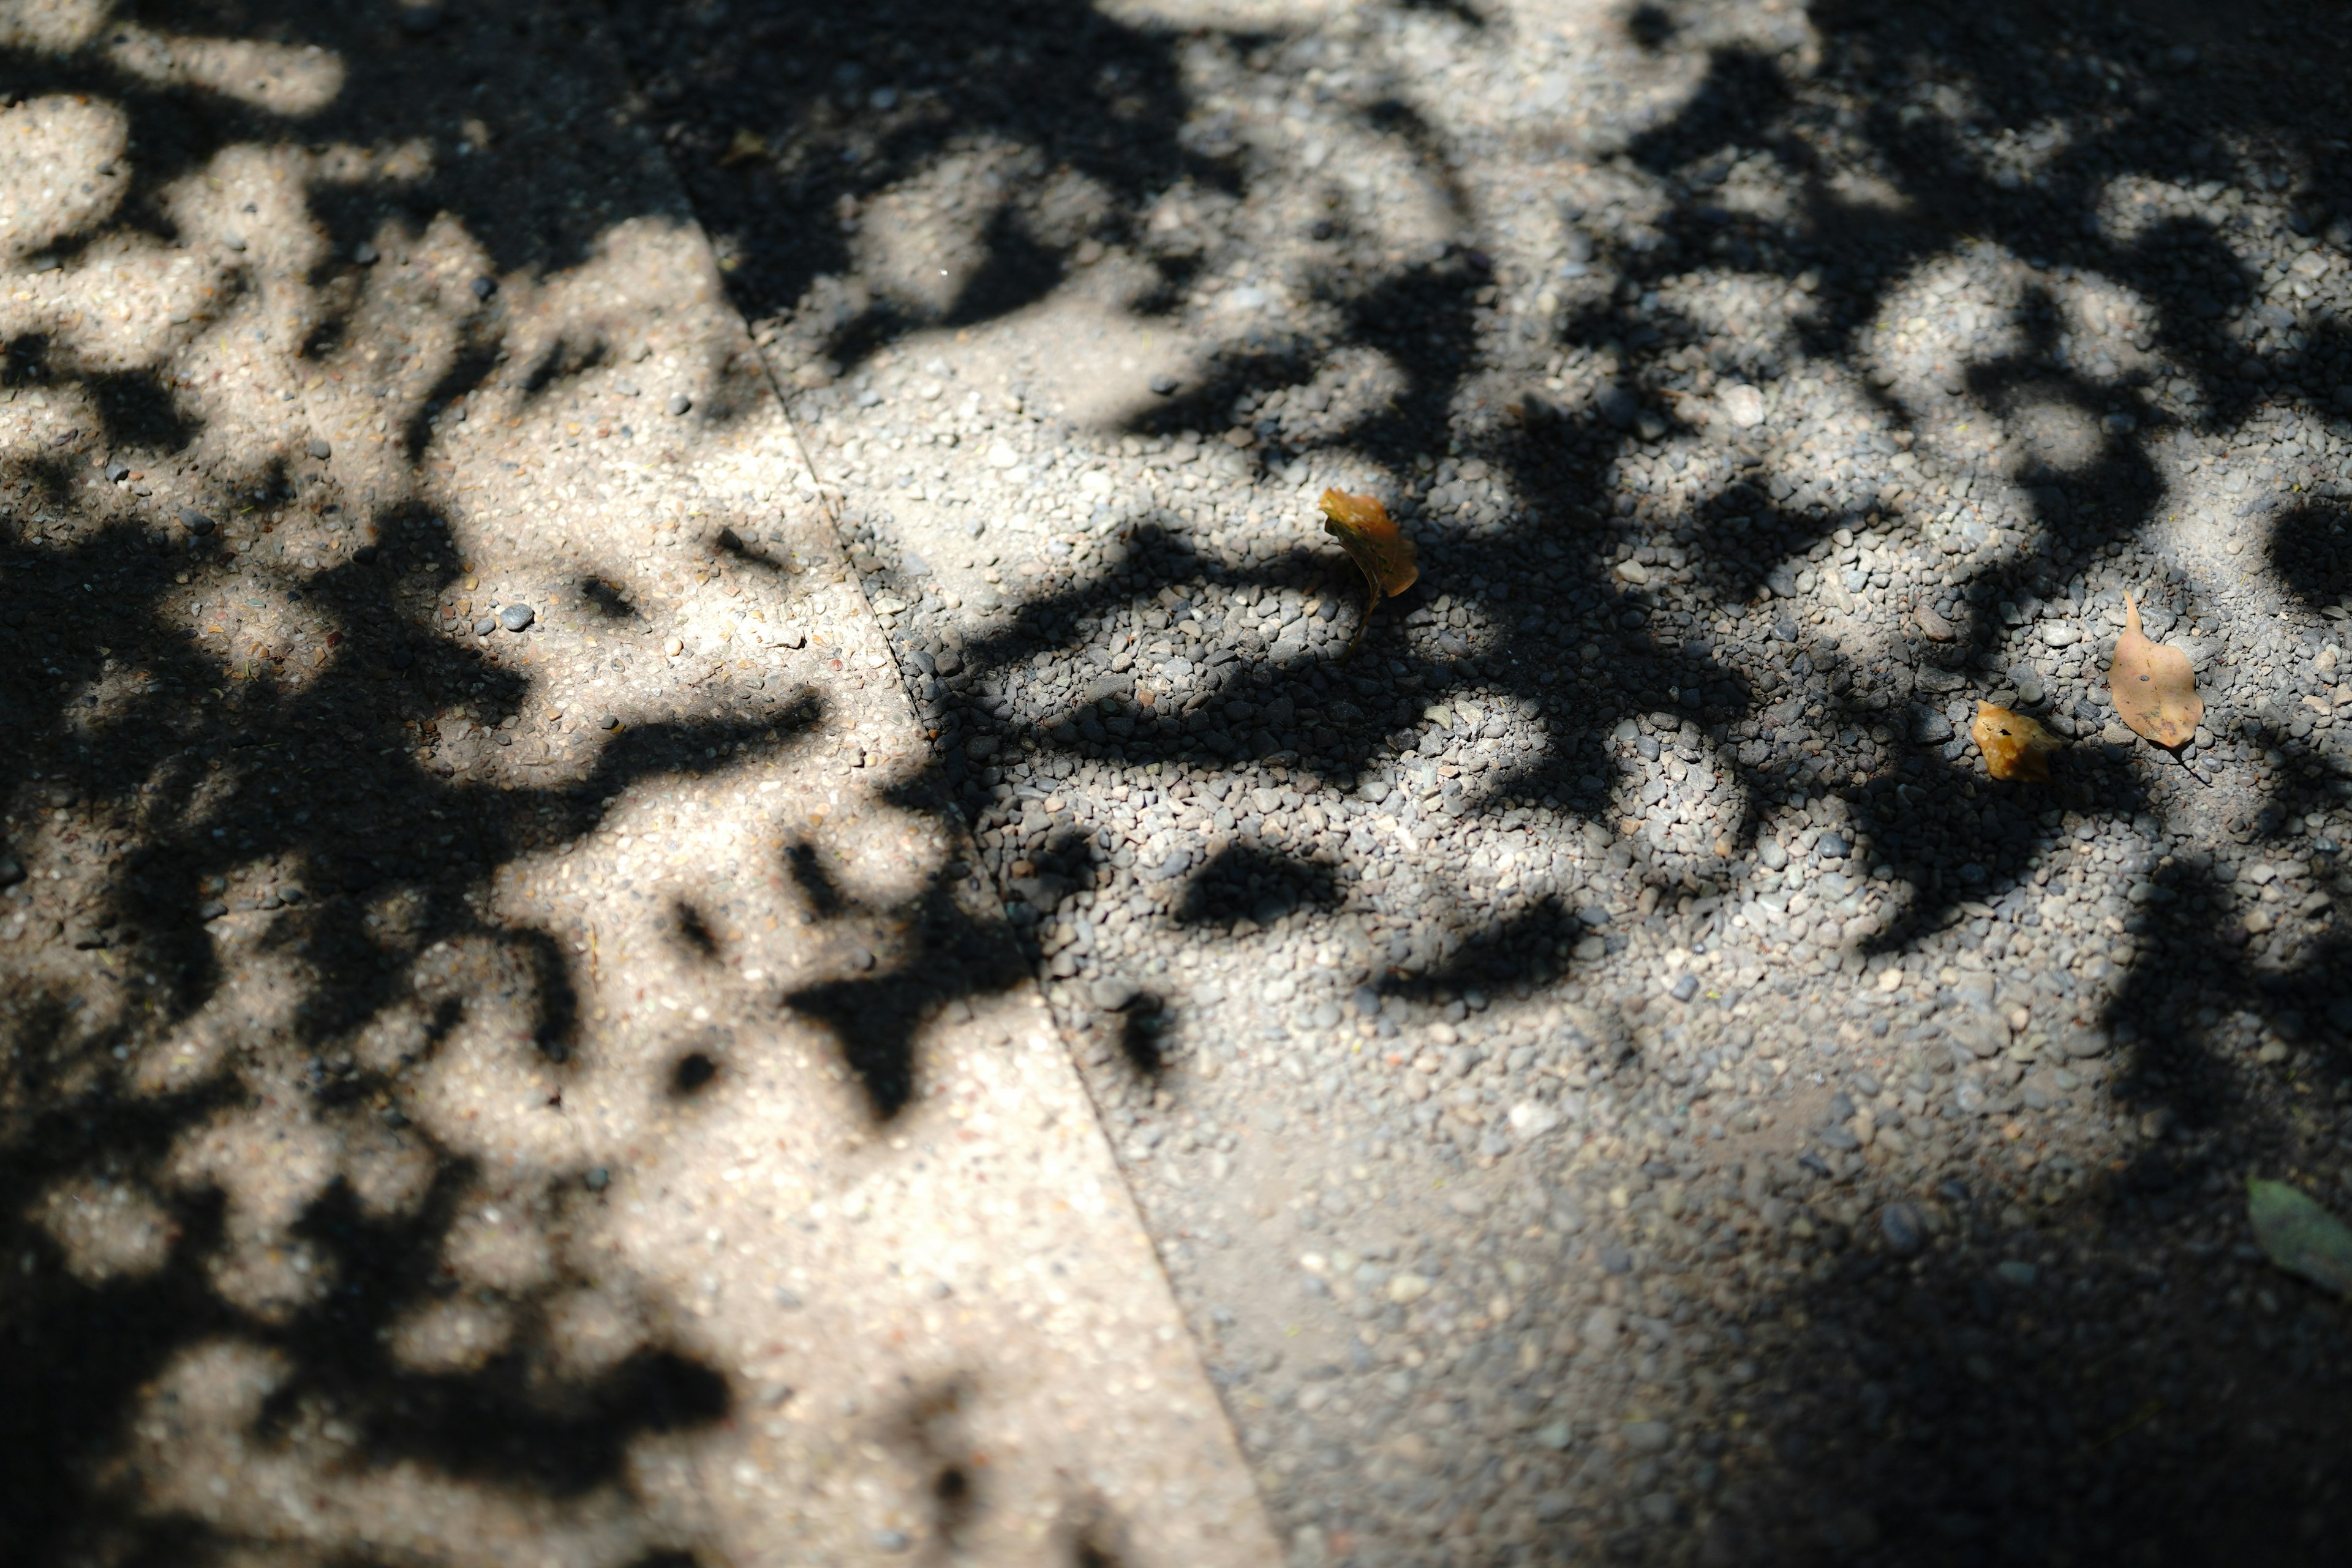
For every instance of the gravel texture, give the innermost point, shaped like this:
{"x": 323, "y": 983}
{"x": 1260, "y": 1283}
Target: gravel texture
{"x": 497, "y": 1061}
{"x": 1607, "y": 1071}
{"x": 1607, "y": 1074}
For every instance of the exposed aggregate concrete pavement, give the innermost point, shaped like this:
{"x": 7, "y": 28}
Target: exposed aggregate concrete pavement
{"x": 1605, "y": 1067}
{"x": 1605, "y": 1072}
{"x": 501, "y": 1062}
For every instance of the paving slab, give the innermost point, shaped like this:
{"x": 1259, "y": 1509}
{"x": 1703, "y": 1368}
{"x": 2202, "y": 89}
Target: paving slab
{"x": 1606, "y": 1071}
{"x": 507, "y": 1059}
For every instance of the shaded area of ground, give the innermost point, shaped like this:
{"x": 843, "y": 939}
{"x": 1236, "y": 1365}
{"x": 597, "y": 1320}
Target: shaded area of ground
{"x": 2097, "y": 1413}
{"x": 2094, "y": 1399}
{"x": 262, "y": 781}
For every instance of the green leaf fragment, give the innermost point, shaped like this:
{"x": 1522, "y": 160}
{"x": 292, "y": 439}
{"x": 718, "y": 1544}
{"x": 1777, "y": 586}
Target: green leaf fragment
{"x": 2299, "y": 1235}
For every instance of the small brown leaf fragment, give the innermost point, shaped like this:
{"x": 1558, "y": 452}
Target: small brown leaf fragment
{"x": 2014, "y": 746}
{"x": 747, "y": 146}
{"x": 2155, "y": 691}
{"x": 1363, "y": 528}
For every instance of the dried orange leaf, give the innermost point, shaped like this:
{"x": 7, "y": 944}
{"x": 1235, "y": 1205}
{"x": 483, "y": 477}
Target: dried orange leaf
{"x": 2154, "y": 688}
{"x": 1362, "y": 525}
{"x": 2014, "y": 746}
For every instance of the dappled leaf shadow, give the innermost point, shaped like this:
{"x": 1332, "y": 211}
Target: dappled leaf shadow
{"x": 939, "y": 957}
{"x": 265, "y": 771}
{"x": 2309, "y": 548}
{"x": 1600, "y": 661}
{"x": 844, "y": 108}
{"x": 1248, "y": 882}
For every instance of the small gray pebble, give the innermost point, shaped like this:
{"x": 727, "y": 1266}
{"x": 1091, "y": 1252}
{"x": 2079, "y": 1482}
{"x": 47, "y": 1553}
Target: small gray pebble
{"x": 515, "y": 618}
{"x": 116, "y": 472}
{"x": 1685, "y": 988}
{"x": 1904, "y": 1230}
{"x": 893, "y": 1540}
{"x": 609, "y": 722}
{"x": 680, "y": 403}
{"x": 364, "y": 254}
{"x": 1647, "y": 1436}
{"x": 210, "y": 909}
{"x": 322, "y": 449}
{"x": 599, "y": 1178}
{"x": 1165, "y": 384}
{"x": 485, "y": 287}
{"x": 485, "y": 626}
{"x": 194, "y": 522}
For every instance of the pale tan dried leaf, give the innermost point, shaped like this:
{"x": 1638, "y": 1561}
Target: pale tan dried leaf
{"x": 2155, "y": 691}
